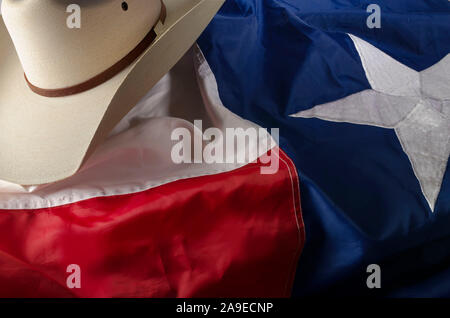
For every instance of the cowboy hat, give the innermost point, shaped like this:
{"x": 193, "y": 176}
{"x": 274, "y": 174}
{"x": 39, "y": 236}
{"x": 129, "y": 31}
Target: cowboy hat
{"x": 63, "y": 89}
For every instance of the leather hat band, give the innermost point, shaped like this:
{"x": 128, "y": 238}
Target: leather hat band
{"x": 107, "y": 74}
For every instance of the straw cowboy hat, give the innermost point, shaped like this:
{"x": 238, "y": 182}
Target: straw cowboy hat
{"x": 62, "y": 89}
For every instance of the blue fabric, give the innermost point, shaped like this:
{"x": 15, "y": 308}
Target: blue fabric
{"x": 361, "y": 201}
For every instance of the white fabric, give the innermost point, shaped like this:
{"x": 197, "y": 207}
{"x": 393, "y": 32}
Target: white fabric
{"x": 368, "y": 107}
{"x": 384, "y": 73}
{"x": 137, "y": 155}
{"x": 436, "y": 81}
{"x": 415, "y": 104}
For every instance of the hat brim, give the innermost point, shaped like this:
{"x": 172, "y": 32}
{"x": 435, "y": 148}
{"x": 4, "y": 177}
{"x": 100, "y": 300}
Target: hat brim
{"x": 43, "y": 139}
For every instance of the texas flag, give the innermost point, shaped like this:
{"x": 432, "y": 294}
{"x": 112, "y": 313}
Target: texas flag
{"x": 360, "y": 93}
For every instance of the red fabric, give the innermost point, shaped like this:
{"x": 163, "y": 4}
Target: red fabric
{"x": 232, "y": 234}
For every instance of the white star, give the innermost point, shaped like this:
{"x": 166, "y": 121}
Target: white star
{"x": 415, "y": 104}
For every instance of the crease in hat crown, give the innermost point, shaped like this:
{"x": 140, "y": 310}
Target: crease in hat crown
{"x": 54, "y": 56}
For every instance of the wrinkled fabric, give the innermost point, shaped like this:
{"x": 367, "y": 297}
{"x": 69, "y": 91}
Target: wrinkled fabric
{"x": 137, "y": 224}
{"x": 235, "y": 234}
{"x": 361, "y": 200}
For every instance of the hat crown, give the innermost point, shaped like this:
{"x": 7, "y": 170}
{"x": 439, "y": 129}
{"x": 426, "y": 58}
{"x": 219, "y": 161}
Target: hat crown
{"x": 55, "y": 53}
